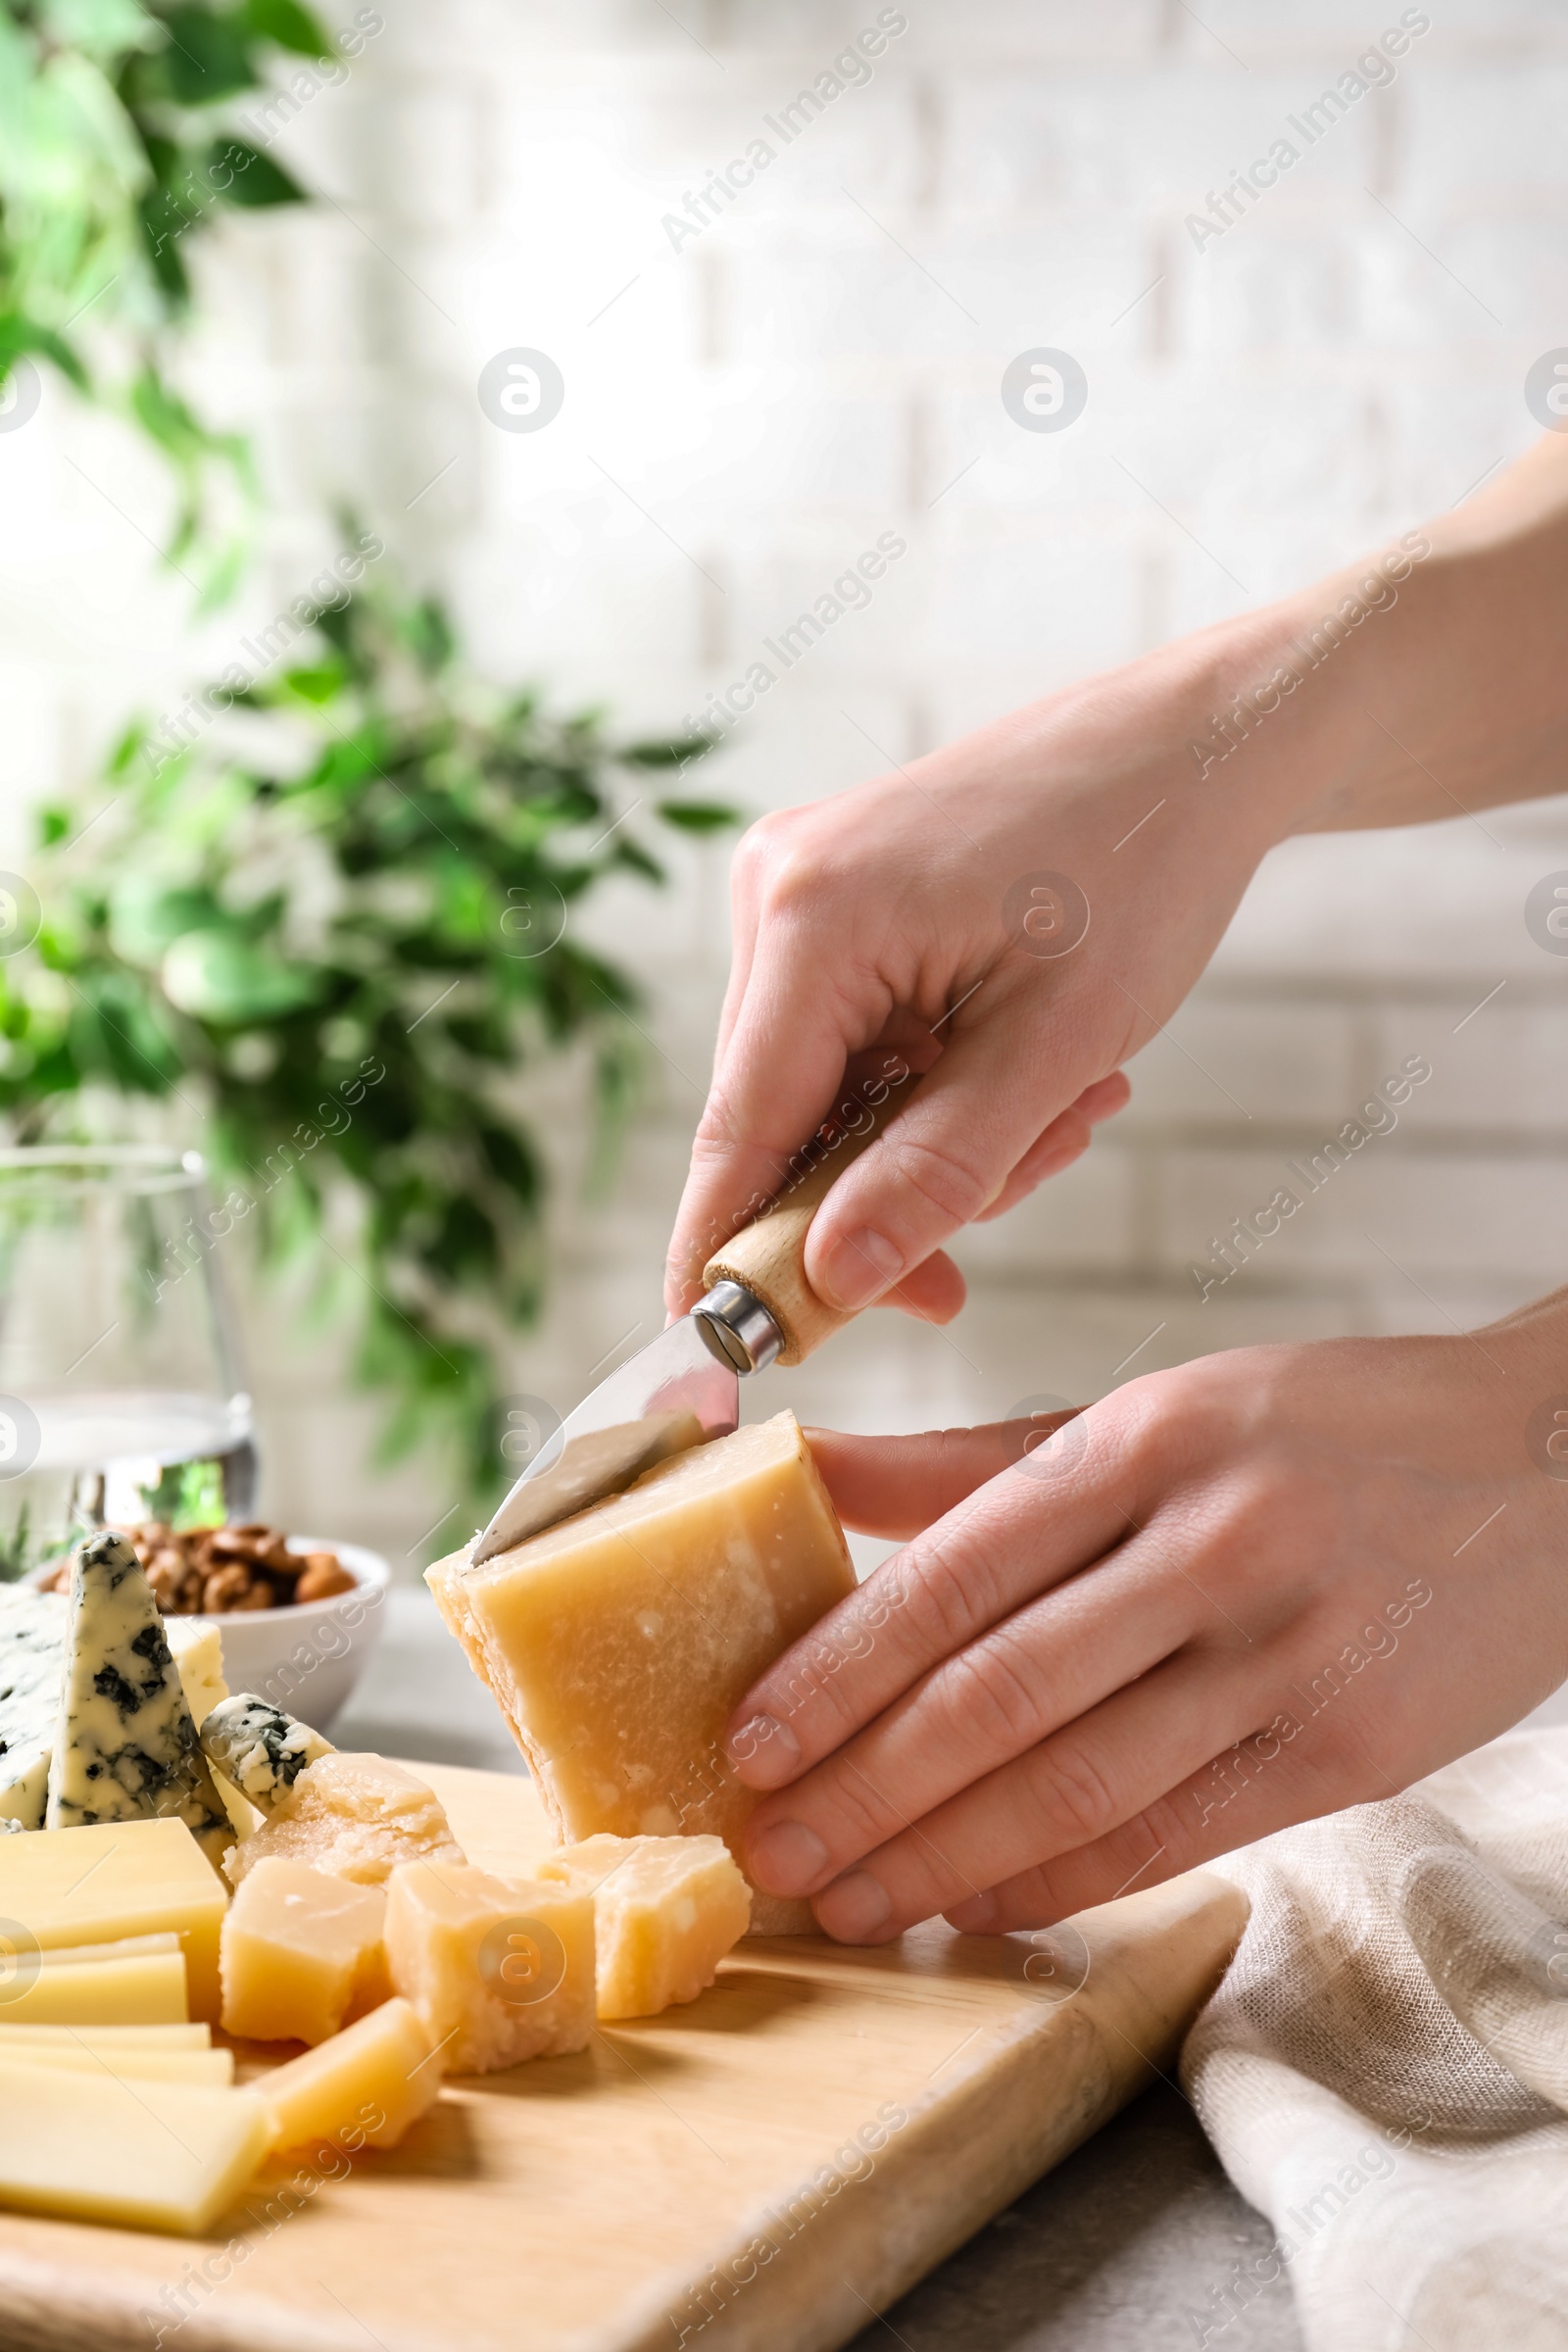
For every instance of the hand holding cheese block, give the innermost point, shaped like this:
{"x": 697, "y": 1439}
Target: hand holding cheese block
{"x": 498, "y": 1970}
{"x": 666, "y": 1912}
{"x": 353, "y": 1816}
{"x": 126, "y": 1745}
{"x": 299, "y": 1951}
{"x": 619, "y": 1644}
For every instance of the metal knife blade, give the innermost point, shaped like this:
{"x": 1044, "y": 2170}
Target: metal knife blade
{"x": 681, "y": 1388}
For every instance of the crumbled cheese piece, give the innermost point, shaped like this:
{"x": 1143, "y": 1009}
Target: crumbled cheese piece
{"x": 497, "y": 1968}
{"x": 354, "y": 1817}
{"x": 666, "y": 1912}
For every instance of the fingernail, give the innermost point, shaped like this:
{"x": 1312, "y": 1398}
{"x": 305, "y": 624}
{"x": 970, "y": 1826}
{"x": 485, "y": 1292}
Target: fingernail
{"x": 764, "y": 1752}
{"x": 976, "y": 1916}
{"x": 787, "y": 1858}
{"x": 854, "y": 1907}
{"x": 858, "y": 1267}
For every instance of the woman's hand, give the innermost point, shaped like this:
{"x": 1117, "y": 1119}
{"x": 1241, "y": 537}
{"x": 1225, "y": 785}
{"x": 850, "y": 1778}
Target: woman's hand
{"x": 938, "y": 911}
{"x": 1230, "y": 1597}
{"x": 1014, "y": 916}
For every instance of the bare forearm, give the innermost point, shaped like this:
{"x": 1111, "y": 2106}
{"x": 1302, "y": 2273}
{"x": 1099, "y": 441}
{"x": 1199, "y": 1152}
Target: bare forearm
{"x": 1430, "y": 678}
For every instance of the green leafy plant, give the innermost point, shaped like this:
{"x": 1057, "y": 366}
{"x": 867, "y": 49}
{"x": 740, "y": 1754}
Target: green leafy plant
{"x": 117, "y": 147}
{"x": 337, "y": 916}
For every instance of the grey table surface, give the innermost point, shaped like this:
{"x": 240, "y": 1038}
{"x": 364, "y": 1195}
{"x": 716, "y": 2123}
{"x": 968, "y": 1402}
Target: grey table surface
{"x": 1128, "y": 2246}
{"x": 1119, "y": 2250}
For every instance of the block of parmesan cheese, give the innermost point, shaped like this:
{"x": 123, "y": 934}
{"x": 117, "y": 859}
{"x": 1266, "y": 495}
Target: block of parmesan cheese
{"x": 666, "y": 1912}
{"x": 354, "y": 1817}
{"x": 497, "y": 1969}
{"x": 619, "y": 1644}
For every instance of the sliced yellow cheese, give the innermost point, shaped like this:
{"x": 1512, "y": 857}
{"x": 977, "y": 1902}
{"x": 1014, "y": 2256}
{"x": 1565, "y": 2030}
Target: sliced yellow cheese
{"x": 18, "y": 2039}
{"x": 215, "y": 2068}
{"x": 666, "y": 1912}
{"x": 497, "y": 1968}
{"x": 362, "y": 2089}
{"x": 353, "y": 1816}
{"x": 298, "y": 1950}
{"x": 619, "y": 1644}
{"x": 154, "y": 2155}
{"x": 149, "y": 1990}
{"x": 98, "y": 1883}
{"x": 127, "y": 1947}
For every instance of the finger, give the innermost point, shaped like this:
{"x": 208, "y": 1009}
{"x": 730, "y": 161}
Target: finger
{"x": 898, "y": 1485}
{"x": 744, "y": 907}
{"x": 1281, "y": 1775}
{"x": 1065, "y": 1140}
{"x": 1044, "y": 1667}
{"x": 932, "y": 1293}
{"x": 772, "y": 1091}
{"x": 1006, "y": 1542}
{"x": 934, "y": 1167}
{"x": 1082, "y": 1783}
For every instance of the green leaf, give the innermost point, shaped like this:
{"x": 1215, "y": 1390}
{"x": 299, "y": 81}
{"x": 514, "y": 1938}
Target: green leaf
{"x": 207, "y": 57}
{"x": 679, "y": 752}
{"x": 223, "y": 977}
{"x": 243, "y": 176}
{"x": 20, "y": 334}
{"x": 321, "y": 683}
{"x": 289, "y": 25}
{"x": 698, "y": 816}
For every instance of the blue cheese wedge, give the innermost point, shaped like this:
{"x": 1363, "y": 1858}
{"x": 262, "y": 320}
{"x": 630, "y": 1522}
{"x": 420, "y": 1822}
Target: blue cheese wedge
{"x": 32, "y": 1642}
{"x": 259, "y": 1748}
{"x": 33, "y": 1658}
{"x": 125, "y": 1743}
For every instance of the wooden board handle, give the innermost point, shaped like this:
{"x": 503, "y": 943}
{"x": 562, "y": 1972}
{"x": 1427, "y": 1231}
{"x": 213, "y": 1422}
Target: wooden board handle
{"x": 769, "y": 1258}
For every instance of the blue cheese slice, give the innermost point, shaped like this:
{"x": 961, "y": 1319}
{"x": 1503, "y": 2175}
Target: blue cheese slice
{"x": 32, "y": 1645}
{"x": 125, "y": 1743}
{"x": 259, "y": 1748}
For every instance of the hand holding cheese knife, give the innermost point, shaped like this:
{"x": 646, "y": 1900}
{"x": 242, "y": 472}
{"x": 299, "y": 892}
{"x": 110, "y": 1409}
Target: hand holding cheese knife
{"x": 1253, "y": 1587}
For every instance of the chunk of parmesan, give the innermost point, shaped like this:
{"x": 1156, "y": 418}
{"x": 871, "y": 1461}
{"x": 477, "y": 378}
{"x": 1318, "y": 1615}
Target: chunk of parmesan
{"x": 619, "y": 1644}
{"x": 666, "y": 1912}
{"x": 497, "y": 1969}
{"x": 353, "y": 1816}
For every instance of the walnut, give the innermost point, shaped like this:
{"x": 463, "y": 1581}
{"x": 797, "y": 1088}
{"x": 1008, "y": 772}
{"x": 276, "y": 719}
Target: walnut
{"x": 227, "y": 1588}
{"x": 166, "y": 1574}
{"x": 325, "y": 1574}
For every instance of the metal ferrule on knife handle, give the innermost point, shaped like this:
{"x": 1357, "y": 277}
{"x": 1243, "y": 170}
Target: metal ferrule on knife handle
{"x": 759, "y": 1296}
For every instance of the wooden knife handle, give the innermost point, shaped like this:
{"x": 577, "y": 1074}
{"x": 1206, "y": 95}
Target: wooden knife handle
{"x": 769, "y": 1257}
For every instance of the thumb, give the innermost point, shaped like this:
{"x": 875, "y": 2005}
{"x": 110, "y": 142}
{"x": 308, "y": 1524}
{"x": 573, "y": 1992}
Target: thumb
{"x": 899, "y": 1487}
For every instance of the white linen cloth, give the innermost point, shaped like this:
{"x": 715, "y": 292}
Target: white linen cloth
{"x": 1384, "y": 2070}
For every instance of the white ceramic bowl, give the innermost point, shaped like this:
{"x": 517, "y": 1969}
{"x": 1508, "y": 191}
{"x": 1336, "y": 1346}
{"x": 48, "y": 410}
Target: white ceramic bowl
{"x": 307, "y": 1658}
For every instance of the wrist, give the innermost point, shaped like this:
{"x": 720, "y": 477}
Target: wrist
{"x": 1278, "y": 697}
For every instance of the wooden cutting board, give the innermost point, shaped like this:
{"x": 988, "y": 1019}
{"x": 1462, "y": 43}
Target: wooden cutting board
{"x": 764, "y": 2169}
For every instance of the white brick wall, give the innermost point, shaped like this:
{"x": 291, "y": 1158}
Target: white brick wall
{"x": 823, "y": 364}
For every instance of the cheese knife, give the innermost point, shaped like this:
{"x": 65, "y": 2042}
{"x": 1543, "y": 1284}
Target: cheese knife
{"x": 757, "y": 1309}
